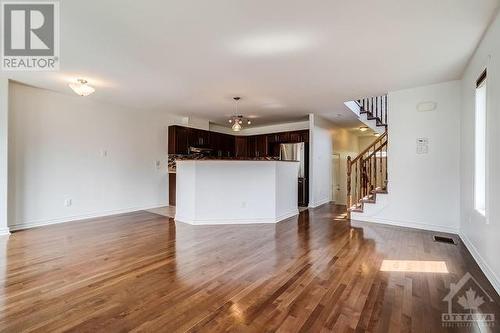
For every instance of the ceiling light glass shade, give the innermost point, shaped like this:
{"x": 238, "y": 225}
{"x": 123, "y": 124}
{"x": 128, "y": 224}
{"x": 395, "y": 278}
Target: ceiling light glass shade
{"x": 81, "y": 87}
{"x": 236, "y": 127}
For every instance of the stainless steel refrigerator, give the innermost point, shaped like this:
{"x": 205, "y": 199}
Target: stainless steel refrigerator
{"x": 298, "y": 152}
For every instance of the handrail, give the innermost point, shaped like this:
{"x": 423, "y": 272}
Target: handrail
{"x": 376, "y": 150}
{"x": 369, "y": 147}
{"x": 367, "y": 173}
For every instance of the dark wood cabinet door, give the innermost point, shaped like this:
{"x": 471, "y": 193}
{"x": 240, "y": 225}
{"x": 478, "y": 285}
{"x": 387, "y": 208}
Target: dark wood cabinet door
{"x": 178, "y": 140}
{"x": 240, "y": 146}
{"x": 272, "y": 138}
{"x": 198, "y": 137}
{"x": 227, "y": 145}
{"x": 284, "y": 137}
{"x": 295, "y": 137}
{"x": 305, "y": 135}
{"x": 215, "y": 141}
{"x": 251, "y": 147}
{"x": 171, "y": 189}
{"x": 261, "y": 146}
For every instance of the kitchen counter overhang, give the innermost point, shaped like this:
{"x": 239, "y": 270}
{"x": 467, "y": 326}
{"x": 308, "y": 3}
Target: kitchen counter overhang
{"x": 235, "y": 192}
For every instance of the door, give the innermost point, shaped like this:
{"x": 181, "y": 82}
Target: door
{"x": 336, "y": 183}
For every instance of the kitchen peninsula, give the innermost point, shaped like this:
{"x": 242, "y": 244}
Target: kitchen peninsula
{"x": 236, "y": 191}
{"x": 191, "y": 146}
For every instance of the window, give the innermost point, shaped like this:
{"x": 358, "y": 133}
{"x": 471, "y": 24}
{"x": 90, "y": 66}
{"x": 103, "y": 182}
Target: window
{"x": 480, "y": 146}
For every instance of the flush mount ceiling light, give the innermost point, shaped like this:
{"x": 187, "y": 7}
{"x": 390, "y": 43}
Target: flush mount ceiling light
{"x": 81, "y": 87}
{"x": 273, "y": 44}
{"x": 238, "y": 120}
{"x": 363, "y": 128}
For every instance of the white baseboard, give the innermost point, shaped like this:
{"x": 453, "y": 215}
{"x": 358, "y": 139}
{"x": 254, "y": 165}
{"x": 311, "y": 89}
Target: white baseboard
{"x": 319, "y": 203}
{"x": 235, "y": 220}
{"x": 4, "y": 232}
{"x": 406, "y": 224}
{"x": 41, "y": 223}
{"x": 488, "y": 272}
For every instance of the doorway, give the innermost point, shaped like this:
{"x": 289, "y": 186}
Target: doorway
{"x": 336, "y": 179}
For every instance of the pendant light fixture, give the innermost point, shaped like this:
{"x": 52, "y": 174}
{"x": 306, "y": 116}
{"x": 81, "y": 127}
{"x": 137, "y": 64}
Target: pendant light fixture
{"x": 238, "y": 120}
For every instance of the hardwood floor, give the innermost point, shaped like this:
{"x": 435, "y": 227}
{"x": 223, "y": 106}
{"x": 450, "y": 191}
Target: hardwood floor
{"x": 142, "y": 272}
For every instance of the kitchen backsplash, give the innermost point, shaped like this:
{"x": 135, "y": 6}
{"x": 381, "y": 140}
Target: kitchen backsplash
{"x": 173, "y": 157}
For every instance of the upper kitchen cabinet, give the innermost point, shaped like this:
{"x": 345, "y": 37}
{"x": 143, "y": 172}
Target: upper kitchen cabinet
{"x": 278, "y": 137}
{"x": 240, "y": 143}
{"x": 299, "y": 136}
{"x": 261, "y": 146}
{"x": 222, "y": 144}
{"x": 251, "y": 149}
{"x": 178, "y": 140}
{"x": 198, "y": 137}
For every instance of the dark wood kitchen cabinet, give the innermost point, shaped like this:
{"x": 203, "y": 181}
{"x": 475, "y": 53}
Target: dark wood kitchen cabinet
{"x": 171, "y": 188}
{"x": 241, "y": 149}
{"x": 261, "y": 146}
{"x": 299, "y": 136}
{"x": 278, "y": 137}
{"x": 251, "y": 152}
{"x": 198, "y": 137}
{"x": 178, "y": 140}
{"x": 222, "y": 144}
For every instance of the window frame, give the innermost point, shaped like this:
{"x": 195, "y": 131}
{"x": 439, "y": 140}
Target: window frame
{"x": 480, "y": 82}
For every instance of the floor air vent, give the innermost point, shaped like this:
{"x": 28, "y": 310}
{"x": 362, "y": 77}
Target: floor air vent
{"x": 442, "y": 239}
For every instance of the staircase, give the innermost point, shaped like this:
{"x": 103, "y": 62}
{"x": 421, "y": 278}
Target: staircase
{"x": 372, "y": 111}
{"x": 367, "y": 176}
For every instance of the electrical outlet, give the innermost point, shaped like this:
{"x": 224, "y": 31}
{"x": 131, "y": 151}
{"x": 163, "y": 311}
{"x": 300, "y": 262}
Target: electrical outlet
{"x": 68, "y": 202}
{"x": 104, "y": 153}
{"x": 158, "y": 165}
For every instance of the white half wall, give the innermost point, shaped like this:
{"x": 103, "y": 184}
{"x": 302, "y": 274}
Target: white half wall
{"x": 424, "y": 189}
{"x": 236, "y": 192}
{"x": 320, "y": 160}
{"x": 479, "y": 233}
{"x": 102, "y": 157}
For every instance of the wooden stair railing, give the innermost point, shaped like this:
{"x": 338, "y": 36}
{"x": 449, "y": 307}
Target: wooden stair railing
{"x": 367, "y": 174}
{"x": 375, "y": 109}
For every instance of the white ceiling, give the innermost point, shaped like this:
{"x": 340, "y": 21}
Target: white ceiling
{"x": 285, "y": 58}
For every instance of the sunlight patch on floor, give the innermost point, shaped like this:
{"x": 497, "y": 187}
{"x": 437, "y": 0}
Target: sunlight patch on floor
{"x": 416, "y": 266}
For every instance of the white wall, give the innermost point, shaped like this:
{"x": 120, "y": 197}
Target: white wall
{"x": 198, "y": 123}
{"x": 4, "y": 143}
{"x": 57, "y": 147}
{"x": 482, "y": 234}
{"x": 320, "y": 160}
{"x": 345, "y": 144}
{"x": 424, "y": 189}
